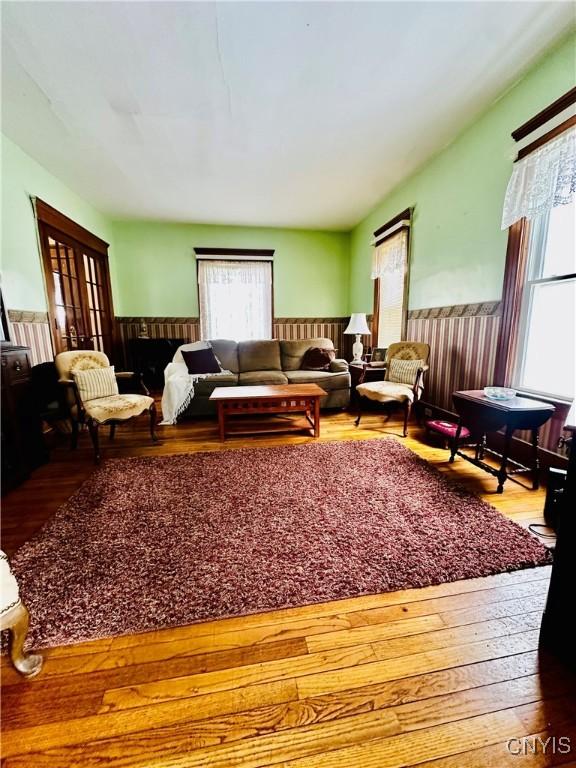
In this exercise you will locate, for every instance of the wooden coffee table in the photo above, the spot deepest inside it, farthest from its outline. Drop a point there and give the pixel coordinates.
(270, 400)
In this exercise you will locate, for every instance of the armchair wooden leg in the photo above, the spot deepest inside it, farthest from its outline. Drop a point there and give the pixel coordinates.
(27, 664)
(112, 431)
(153, 415)
(407, 410)
(74, 435)
(93, 427)
(357, 422)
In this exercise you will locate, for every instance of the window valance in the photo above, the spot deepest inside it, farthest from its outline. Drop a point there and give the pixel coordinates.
(542, 180)
(390, 256)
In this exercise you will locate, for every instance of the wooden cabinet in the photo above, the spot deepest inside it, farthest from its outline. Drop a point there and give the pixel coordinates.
(23, 448)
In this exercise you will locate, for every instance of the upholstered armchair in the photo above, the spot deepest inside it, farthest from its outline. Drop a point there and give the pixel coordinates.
(94, 398)
(406, 363)
(14, 617)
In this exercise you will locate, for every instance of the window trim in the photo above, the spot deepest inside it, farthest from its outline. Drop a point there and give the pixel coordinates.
(387, 230)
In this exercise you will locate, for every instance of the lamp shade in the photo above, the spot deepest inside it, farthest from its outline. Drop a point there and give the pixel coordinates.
(358, 324)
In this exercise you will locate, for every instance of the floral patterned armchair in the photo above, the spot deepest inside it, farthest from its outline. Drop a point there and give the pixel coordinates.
(99, 401)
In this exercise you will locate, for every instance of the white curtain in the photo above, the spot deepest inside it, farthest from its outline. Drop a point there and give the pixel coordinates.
(235, 299)
(542, 180)
(390, 256)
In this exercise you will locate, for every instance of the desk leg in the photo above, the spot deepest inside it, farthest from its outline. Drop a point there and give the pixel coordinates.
(502, 475)
(221, 421)
(316, 417)
(535, 461)
(454, 443)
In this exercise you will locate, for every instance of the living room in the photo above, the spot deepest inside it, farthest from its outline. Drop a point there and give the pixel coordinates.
(288, 383)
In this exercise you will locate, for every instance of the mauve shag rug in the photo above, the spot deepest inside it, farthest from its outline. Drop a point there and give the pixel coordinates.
(147, 543)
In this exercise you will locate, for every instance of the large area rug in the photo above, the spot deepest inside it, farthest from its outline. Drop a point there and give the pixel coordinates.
(158, 542)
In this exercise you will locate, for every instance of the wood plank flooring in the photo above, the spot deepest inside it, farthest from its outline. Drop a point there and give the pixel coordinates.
(440, 677)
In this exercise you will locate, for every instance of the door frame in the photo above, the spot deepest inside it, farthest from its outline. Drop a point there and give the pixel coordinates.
(52, 223)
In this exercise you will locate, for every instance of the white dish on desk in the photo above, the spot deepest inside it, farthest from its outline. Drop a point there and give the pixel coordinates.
(499, 393)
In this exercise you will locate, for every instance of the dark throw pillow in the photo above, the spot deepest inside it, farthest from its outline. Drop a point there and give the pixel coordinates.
(317, 359)
(201, 361)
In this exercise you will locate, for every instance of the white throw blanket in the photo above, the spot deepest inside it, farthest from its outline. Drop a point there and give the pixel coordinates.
(178, 391)
(179, 384)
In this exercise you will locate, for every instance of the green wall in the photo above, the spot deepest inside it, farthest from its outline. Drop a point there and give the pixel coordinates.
(152, 265)
(156, 268)
(22, 177)
(458, 249)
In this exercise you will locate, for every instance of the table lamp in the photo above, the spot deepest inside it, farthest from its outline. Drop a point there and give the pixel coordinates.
(357, 326)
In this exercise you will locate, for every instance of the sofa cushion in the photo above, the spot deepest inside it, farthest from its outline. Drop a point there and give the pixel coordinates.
(259, 355)
(293, 351)
(227, 353)
(204, 387)
(201, 361)
(317, 359)
(324, 379)
(191, 346)
(258, 378)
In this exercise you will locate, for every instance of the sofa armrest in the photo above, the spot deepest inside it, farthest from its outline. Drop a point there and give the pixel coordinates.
(339, 366)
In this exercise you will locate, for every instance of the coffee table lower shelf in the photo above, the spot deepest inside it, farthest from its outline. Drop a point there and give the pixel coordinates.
(268, 424)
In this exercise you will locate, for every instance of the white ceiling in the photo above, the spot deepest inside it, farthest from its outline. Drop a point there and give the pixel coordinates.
(300, 114)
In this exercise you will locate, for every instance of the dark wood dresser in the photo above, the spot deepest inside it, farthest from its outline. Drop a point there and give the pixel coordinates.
(23, 448)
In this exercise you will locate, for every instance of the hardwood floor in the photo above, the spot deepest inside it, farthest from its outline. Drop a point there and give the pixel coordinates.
(441, 676)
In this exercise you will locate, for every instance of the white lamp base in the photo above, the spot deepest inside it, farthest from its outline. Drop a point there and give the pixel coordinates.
(357, 350)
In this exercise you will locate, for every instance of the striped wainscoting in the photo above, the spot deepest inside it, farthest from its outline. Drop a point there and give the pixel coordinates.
(463, 341)
(32, 329)
(290, 328)
(188, 328)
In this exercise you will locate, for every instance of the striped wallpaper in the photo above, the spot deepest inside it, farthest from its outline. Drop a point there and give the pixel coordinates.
(32, 329)
(463, 341)
(188, 328)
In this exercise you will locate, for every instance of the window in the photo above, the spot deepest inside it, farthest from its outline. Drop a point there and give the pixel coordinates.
(77, 281)
(235, 298)
(390, 275)
(546, 358)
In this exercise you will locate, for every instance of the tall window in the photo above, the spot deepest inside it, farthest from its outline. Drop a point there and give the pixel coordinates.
(77, 281)
(546, 359)
(235, 298)
(390, 275)
(537, 339)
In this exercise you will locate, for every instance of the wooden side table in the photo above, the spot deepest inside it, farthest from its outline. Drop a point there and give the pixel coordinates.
(482, 415)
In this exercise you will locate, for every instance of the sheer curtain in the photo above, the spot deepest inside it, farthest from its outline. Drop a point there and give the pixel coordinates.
(235, 299)
(542, 180)
(389, 264)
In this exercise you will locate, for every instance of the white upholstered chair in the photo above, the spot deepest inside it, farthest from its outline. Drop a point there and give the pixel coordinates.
(99, 402)
(406, 362)
(14, 617)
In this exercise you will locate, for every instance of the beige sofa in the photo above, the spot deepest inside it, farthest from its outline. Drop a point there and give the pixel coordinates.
(271, 362)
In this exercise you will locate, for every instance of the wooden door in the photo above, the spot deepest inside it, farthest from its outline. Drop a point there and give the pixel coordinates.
(78, 283)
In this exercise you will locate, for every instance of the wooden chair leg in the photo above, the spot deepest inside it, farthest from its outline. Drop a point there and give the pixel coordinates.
(153, 415)
(27, 664)
(407, 410)
(112, 431)
(359, 411)
(74, 436)
(93, 427)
